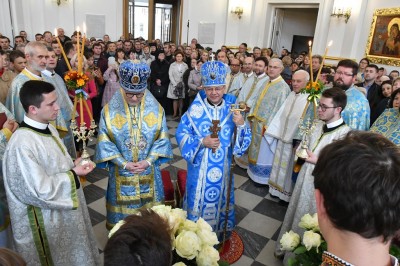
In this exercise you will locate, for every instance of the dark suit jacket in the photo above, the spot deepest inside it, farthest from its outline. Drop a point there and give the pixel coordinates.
(374, 96)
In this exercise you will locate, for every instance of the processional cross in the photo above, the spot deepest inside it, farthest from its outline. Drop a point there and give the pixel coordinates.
(215, 128)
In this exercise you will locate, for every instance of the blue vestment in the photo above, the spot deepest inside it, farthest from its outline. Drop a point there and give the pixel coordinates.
(356, 114)
(132, 134)
(388, 125)
(208, 172)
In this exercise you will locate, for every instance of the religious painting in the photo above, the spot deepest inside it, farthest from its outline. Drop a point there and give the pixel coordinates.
(383, 46)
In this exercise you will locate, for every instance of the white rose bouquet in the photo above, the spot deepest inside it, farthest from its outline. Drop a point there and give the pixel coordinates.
(309, 250)
(192, 242)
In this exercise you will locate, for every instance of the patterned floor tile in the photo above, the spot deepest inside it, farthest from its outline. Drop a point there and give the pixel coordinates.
(266, 256)
(271, 209)
(250, 187)
(253, 243)
(95, 217)
(246, 199)
(93, 193)
(256, 223)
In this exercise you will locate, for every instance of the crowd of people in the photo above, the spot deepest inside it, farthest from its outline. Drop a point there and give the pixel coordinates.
(245, 107)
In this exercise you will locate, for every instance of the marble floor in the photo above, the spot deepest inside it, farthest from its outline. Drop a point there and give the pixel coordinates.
(258, 216)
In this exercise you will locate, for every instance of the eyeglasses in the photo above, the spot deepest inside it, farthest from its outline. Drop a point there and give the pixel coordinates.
(338, 73)
(138, 95)
(216, 89)
(324, 107)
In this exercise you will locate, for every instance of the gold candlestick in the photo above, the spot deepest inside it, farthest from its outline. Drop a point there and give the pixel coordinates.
(305, 131)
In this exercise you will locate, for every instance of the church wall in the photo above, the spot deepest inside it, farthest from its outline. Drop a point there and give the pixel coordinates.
(349, 40)
(36, 16)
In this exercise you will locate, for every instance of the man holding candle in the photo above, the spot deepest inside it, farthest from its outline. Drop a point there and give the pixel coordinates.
(66, 106)
(36, 59)
(132, 143)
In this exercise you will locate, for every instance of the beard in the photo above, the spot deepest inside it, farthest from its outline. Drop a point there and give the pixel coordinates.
(341, 85)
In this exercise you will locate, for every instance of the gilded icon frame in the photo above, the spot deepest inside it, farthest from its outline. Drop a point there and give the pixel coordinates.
(381, 49)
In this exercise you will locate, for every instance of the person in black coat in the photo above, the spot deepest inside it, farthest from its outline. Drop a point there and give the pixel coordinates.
(159, 81)
(374, 91)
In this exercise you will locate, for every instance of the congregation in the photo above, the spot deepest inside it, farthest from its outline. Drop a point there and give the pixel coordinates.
(234, 106)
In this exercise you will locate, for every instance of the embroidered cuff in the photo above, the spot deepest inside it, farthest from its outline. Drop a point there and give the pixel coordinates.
(77, 182)
(7, 133)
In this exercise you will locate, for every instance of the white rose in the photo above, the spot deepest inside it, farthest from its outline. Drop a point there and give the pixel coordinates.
(208, 256)
(116, 227)
(311, 239)
(187, 244)
(289, 241)
(202, 224)
(207, 237)
(179, 264)
(188, 226)
(309, 222)
(176, 218)
(162, 210)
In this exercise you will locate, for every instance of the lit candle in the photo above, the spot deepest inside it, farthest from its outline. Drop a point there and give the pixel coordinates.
(62, 50)
(323, 59)
(310, 54)
(84, 39)
(78, 51)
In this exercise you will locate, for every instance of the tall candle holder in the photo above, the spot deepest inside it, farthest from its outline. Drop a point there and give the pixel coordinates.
(305, 131)
(82, 133)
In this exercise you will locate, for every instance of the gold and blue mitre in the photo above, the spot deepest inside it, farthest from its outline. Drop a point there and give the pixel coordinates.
(213, 73)
(133, 76)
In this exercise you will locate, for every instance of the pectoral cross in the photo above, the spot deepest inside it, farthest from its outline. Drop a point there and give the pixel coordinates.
(214, 131)
(212, 56)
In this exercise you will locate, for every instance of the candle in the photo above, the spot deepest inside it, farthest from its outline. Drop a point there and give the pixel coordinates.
(84, 39)
(74, 110)
(78, 51)
(323, 60)
(62, 50)
(310, 55)
(81, 110)
(88, 110)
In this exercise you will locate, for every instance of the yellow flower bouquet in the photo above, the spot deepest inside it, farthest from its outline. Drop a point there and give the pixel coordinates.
(76, 82)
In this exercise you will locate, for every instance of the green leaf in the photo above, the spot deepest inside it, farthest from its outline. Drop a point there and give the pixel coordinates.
(300, 250)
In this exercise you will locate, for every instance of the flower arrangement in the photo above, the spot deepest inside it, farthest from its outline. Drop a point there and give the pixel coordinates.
(193, 242)
(309, 252)
(75, 81)
(314, 89)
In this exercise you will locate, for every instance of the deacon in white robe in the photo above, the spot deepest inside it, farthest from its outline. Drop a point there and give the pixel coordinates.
(49, 216)
(262, 147)
(331, 127)
(283, 128)
(249, 93)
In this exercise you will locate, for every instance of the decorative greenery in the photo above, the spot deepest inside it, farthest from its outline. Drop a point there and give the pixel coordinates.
(314, 89)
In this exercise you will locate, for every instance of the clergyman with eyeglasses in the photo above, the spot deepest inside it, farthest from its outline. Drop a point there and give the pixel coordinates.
(205, 136)
(328, 128)
(357, 111)
(133, 141)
